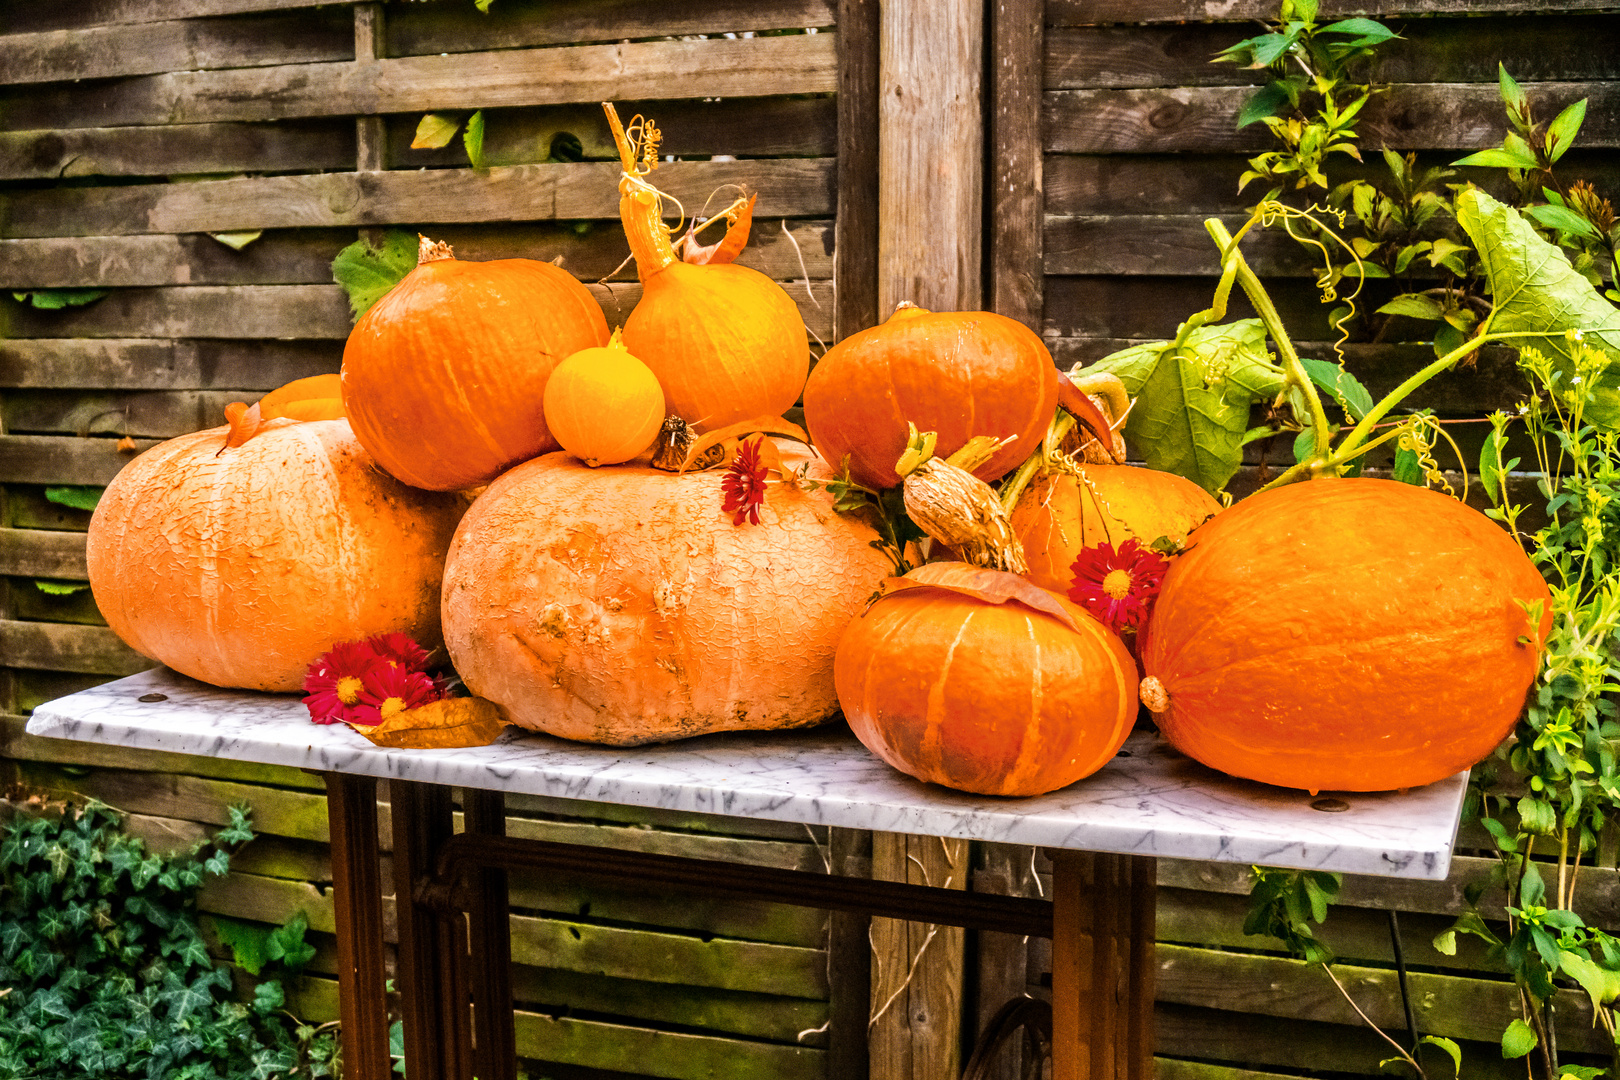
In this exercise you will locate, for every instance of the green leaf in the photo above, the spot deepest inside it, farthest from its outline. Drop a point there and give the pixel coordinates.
(1345, 388)
(59, 588)
(1498, 159)
(1367, 31)
(1452, 1050)
(1445, 943)
(79, 498)
(1535, 289)
(483, 5)
(367, 273)
(473, 139)
(1511, 94)
(236, 241)
(1518, 1040)
(1564, 220)
(1490, 473)
(1562, 131)
(1447, 340)
(1264, 102)
(1408, 469)
(56, 299)
(268, 997)
(249, 943)
(435, 130)
(1414, 306)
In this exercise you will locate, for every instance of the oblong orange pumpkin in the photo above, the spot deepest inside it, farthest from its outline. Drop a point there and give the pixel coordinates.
(444, 379)
(1059, 516)
(955, 373)
(1345, 634)
(622, 606)
(1017, 697)
(239, 566)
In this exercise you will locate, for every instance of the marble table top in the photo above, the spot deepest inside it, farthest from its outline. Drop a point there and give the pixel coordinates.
(1149, 801)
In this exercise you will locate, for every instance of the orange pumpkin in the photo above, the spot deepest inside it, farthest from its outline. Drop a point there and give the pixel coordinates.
(444, 379)
(622, 606)
(955, 373)
(980, 681)
(1059, 516)
(727, 343)
(603, 405)
(240, 565)
(1344, 634)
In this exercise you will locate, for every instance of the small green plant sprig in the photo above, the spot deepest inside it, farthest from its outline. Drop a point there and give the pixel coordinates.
(106, 972)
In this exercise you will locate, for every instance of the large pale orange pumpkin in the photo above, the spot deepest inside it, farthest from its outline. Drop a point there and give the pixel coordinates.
(980, 681)
(956, 373)
(622, 606)
(1059, 516)
(1345, 634)
(240, 565)
(445, 377)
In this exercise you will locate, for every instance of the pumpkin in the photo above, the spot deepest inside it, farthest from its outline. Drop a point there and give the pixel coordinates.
(726, 342)
(240, 565)
(956, 373)
(1060, 515)
(444, 378)
(977, 680)
(603, 405)
(1344, 634)
(622, 606)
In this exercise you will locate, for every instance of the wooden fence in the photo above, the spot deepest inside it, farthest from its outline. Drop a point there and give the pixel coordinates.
(131, 130)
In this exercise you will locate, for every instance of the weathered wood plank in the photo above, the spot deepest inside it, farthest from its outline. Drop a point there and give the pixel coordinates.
(138, 364)
(1016, 178)
(692, 845)
(519, 805)
(1173, 1069)
(211, 311)
(184, 149)
(591, 1044)
(1430, 116)
(32, 689)
(788, 188)
(1152, 307)
(160, 414)
(752, 67)
(1142, 244)
(780, 924)
(30, 603)
(1090, 12)
(857, 150)
(104, 52)
(92, 650)
(37, 553)
(21, 16)
(515, 24)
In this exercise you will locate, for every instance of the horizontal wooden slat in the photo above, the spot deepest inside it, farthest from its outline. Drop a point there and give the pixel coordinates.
(140, 364)
(184, 149)
(1458, 116)
(1152, 307)
(753, 67)
(787, 188)
(103, 52)
(1142, 244)
(1086, 12)
(37, 553)
(419, 29)
(93, 650)
(160, 414)
(783, 924)
(60, 459)
(668, 1054)
(25, 16)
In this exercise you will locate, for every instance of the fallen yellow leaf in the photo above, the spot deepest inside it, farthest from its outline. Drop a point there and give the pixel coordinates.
(452, 722)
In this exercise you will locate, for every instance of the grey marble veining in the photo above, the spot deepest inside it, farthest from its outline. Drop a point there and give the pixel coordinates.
(1149, 801)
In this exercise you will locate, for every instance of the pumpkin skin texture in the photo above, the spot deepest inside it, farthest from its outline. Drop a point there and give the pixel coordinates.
(240, 568)
(622, 606)
(997, 699)
(955, 373)
(1345, 635)
(444, 379)
(1058, 517)
(603, 405)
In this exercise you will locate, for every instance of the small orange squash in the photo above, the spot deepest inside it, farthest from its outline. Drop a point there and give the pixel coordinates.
(240, 565)
(980, 681)
(1345, 634)
(603, 405)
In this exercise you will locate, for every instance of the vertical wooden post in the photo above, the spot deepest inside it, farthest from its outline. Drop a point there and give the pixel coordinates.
(855, 231)
(371, 132)
(351, 809)
(1102, 968)
(1017, 197)
(489, 932)
(849, 963)
(1003, 959)
(917, 973)
(931, 155)
(427, 966)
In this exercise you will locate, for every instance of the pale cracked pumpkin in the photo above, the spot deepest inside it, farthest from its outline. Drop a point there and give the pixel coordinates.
(621, 605)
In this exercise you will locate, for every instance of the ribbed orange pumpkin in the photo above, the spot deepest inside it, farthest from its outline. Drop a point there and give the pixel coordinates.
(1017, 697)
(444, 378)
(726, 342)
(956, 373)
(239, 566)
(1344, 634)
(1058, 516)
(603, 405)
(622, 606)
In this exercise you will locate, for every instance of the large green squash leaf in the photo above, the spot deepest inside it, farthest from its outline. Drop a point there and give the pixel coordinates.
(1536, 289)
(1192, 404)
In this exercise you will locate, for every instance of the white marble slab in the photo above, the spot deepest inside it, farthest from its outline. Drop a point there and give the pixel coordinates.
(1149, 801)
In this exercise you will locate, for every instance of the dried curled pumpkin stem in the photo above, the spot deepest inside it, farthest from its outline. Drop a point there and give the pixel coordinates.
(955, 507)
(641, 204)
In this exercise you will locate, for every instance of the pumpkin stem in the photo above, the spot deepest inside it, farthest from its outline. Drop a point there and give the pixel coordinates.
(641, 204)
(432, 251)
(955, 507)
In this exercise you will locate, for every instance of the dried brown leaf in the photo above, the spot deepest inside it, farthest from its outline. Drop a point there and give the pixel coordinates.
(451, 722)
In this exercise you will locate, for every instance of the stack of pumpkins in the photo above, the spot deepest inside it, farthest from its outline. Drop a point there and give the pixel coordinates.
(597, 597)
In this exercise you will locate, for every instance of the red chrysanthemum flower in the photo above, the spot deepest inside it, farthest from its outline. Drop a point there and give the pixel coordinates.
(336, 678)
(1118, 586)
(390, 690)
(744, 484)
(400, 650)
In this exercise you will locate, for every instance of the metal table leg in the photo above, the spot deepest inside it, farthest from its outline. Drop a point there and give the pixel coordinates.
(351, 806)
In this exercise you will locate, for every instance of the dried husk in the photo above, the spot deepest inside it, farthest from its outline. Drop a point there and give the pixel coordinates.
(958, 509)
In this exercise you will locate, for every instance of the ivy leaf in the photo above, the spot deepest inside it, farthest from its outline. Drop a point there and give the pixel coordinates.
(435, 130)
(367, 273)
(1518, 1040)
(1536, 289)
(473, 139)
(268, 997)
(56, 299)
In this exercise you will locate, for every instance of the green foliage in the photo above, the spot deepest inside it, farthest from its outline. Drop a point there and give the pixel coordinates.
(59, 588)
(56, 299)
(1284, 903)
(367, 273)
(435, 130)
(107, 974)
(79, 498)
(473, 139)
